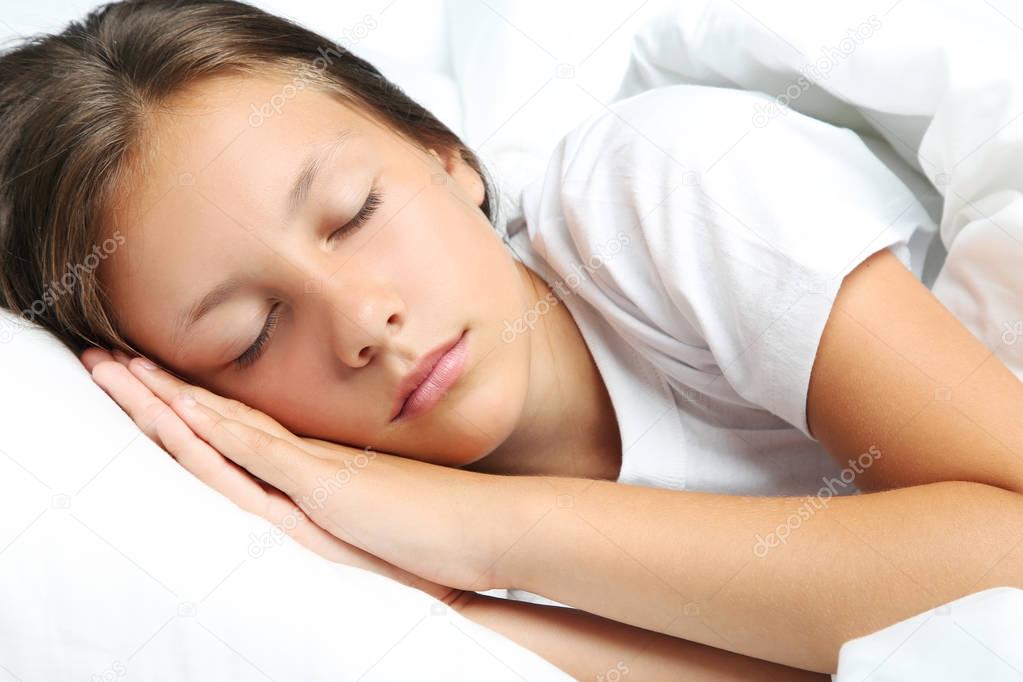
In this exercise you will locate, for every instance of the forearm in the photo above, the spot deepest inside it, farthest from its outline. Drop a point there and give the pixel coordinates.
(688, 564)
(589, 647)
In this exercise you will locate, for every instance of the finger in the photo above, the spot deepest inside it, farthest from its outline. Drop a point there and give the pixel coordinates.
(331, 451)
(132, 396)
(92, 356)
(279, 462)
(120, 356)
(161, 424)
(210, 467)
(199, 458)
(166, 386)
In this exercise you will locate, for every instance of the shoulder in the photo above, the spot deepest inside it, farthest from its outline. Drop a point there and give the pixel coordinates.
(696, 167)
(695, 127)
(683, 124)
(695, 230)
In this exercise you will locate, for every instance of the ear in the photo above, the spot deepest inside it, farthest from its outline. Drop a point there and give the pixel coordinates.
(467, 179)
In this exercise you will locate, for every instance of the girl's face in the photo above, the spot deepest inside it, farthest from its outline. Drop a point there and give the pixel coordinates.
(379, 256)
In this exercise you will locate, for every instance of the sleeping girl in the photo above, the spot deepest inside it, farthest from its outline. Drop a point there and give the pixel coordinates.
(692, 391)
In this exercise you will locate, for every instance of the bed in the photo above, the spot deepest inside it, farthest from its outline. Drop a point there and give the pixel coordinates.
(115, 562)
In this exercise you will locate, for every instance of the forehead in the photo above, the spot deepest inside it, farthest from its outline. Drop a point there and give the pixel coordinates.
(230, 141)
(227, 117)
(215, 177)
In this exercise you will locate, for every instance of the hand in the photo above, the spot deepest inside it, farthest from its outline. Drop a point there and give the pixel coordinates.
(165, 427)
(455, 543)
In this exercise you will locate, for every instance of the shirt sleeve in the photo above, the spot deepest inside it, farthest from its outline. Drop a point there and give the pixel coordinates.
(716, 243)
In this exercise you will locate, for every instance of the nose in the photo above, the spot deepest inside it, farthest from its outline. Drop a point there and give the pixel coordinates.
(364, 316)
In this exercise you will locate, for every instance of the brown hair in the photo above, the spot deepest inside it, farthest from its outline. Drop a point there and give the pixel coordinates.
(73, 112)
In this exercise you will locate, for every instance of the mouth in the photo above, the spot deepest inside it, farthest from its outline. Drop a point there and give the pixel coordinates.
(431, 378)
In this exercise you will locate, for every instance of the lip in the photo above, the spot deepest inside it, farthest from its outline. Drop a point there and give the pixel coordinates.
(430, 379)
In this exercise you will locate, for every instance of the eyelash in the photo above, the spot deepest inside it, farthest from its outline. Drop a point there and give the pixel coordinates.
(253, 352)
(256, 349)
(364, 214)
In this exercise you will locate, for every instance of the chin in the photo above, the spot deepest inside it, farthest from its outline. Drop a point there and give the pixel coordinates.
(474, 451)
(490, 423)
(470, 439)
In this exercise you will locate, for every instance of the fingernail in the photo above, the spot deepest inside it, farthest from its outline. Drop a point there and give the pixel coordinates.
(187, 400)
(146, 364)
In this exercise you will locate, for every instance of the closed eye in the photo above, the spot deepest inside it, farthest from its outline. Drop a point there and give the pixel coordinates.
(365, 213)
(253, 352)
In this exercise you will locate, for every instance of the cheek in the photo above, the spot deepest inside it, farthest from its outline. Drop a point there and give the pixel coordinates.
(312, 410)
(440, 252)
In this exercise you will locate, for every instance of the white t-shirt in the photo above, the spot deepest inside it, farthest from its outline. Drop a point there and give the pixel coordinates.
(700, 253)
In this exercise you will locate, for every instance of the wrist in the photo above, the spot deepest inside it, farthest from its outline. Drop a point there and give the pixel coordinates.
(521, 502)
(459, 600)
(455, 598)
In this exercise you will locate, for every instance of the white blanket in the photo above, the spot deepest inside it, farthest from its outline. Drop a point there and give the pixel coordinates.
(940, 82)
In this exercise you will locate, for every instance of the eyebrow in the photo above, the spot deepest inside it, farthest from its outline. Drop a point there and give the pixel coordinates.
(310, 168)
(211, 300)
(296, 198)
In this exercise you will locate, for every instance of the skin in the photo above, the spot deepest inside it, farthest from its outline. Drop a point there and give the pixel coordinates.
(355, 312)
(894, 371)
(359, 312)
(941, 517)
(228, 445)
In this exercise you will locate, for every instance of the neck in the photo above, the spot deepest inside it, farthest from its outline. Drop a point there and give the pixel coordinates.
(568, 425)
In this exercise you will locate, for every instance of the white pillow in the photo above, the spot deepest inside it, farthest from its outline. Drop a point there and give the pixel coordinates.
(408, 42)
(410, 32)
(116, 561)
(531, 72)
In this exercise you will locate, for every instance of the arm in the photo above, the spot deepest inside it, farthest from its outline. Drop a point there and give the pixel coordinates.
(791, 579)
(589, 647)
(687, 564)
(584, 645)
